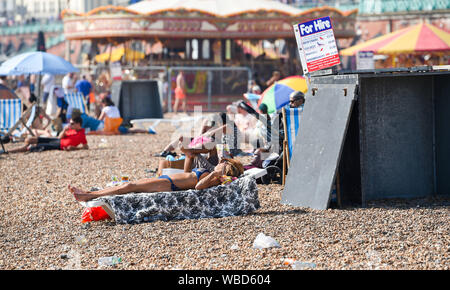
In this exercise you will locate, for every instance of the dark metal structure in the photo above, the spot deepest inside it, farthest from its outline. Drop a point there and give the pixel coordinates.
(137, 99)
(396, 144)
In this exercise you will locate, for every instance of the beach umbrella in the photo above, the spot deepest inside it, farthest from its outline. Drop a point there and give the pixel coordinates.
(36, 62)
(277, 95)
(420, 38)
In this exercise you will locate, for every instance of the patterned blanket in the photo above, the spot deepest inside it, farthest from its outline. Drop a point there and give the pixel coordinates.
(237, 198)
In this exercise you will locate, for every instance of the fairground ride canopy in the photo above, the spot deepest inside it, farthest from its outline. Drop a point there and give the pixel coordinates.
(214, 19)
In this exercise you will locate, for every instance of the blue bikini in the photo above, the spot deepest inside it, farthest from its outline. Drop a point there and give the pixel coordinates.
(198, 171)
(172, 185)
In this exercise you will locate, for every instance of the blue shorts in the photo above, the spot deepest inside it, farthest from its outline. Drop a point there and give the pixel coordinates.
(123, 130)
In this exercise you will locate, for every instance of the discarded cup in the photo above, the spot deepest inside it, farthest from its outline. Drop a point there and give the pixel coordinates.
(262, 242)
(109, 261)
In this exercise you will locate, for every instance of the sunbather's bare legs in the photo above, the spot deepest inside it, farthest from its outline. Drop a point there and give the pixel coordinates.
(28, 141)
(144, 185)
(176, 104)
(181, 180)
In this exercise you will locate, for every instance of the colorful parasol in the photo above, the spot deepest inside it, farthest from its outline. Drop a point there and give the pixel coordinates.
(423, 37)
(118, 53)
(277, 95)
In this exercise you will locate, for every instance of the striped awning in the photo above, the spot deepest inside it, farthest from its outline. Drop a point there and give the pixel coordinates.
(419, 38)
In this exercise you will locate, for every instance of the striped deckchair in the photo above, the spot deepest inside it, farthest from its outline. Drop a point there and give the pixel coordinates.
(11, 117)
(76, 101)
(291, 120)
(291, 123)
(10, 113)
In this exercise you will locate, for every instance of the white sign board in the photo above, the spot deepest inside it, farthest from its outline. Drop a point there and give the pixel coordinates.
(316, 44)
(364, 60)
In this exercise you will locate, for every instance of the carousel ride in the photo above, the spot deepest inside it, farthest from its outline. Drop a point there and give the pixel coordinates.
(198, 33)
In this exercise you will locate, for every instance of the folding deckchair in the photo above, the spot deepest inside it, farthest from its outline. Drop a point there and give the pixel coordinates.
(291, 123)
(10, 113)
(27, 126)
(11, 117)
(76, 101)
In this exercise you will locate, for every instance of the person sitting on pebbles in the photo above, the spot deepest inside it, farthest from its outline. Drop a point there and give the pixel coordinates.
(111, 111)
(70, 138)
(226, 171)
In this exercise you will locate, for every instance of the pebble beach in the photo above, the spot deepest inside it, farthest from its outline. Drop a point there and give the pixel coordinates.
(41, 229)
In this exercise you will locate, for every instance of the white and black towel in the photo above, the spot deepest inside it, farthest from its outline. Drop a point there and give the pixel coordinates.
(237, 198)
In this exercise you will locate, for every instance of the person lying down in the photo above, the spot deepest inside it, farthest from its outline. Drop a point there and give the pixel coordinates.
(198, 179)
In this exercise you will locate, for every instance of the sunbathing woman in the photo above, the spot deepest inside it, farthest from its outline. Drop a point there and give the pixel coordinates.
(197, 179)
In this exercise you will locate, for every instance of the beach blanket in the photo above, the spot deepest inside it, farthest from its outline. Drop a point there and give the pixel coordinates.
(237, 198)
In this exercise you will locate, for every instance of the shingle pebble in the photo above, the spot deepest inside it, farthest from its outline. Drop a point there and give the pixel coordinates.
(40, 222)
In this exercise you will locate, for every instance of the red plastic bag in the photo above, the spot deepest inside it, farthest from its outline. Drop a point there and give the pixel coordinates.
(94, 214)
